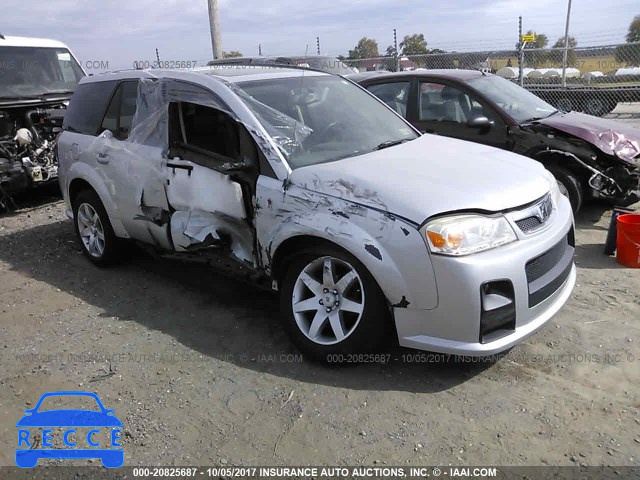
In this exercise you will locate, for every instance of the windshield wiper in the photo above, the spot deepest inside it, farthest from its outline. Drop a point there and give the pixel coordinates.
(391, 143)
(59, 92)
(21, 97)
(535, 119)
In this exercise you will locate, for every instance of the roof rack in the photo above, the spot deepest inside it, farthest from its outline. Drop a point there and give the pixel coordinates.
(270, 64)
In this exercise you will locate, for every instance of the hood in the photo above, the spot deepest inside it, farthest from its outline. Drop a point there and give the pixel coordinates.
(429, 176)
(613, 138)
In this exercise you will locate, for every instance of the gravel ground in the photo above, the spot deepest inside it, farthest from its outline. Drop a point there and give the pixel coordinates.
(200, 372)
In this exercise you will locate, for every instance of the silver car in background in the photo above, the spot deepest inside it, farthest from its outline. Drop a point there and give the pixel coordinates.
(305, 182)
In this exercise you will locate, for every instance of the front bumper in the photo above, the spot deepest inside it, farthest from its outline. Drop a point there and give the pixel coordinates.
(539, 267)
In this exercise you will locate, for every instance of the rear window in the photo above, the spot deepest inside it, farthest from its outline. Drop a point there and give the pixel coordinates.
(87, 107)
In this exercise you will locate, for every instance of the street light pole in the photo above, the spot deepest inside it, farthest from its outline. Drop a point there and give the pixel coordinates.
(566, 46)
(214, 24)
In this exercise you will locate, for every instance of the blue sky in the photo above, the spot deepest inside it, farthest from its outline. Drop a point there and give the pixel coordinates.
(121, 31)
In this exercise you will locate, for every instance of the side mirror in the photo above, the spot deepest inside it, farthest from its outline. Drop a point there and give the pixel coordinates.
(482, 123)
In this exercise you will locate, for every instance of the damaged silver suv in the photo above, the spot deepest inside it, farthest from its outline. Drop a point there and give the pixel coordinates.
(307, 183)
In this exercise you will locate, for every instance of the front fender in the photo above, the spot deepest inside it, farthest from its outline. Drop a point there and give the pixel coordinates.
(391, 249)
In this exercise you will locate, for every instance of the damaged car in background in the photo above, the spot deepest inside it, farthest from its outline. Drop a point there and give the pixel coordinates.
(305, 183)
(37, 78)
(590, 157)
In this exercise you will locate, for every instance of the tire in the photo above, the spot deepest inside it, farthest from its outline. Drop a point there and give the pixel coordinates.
(306, 283)
(100, 244)
(596, 107)
(565, 104)
(570, 186)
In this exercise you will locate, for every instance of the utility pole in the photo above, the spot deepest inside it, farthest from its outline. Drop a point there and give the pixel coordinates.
(214, 23)
(521, 53)
(566, 46)
(318, 44)
(395, 46)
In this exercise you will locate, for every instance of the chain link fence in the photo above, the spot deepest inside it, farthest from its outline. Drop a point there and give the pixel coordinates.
(593, 80)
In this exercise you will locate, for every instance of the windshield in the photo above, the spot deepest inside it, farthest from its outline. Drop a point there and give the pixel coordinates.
(36, 71)
(520, 104)
(321, 118)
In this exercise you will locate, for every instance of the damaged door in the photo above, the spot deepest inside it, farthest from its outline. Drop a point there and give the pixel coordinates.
(209, 181)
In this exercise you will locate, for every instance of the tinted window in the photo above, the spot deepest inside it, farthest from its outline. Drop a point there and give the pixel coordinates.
(121, 110)
(446, 103)
(395, 94)
(87, 107)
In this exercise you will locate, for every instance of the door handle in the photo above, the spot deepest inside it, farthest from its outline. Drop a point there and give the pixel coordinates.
(103, 158)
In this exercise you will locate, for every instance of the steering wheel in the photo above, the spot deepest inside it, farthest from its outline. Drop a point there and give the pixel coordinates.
(321, 136)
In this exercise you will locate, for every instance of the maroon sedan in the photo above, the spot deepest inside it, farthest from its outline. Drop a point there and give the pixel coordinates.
(590, 157)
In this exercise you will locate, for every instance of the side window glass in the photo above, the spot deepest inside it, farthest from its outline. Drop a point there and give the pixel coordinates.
(110, 120)
(120, 111)
(128, 100)
(444, 103)
(395, 94)
(87, 107)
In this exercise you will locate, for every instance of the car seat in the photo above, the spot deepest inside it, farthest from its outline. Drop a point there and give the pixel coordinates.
(452, 98)
(391, 98)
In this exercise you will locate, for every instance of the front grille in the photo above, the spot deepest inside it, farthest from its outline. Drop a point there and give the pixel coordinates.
(537, 267)
(547, 272)
(528, 224)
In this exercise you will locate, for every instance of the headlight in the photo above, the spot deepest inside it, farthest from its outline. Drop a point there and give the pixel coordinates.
(465, 234)
(556, 194)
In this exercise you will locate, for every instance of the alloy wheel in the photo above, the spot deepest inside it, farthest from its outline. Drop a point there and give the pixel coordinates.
(328, 300)
(91, 230)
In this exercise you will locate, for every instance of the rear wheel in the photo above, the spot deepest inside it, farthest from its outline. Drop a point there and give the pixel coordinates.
(596, 107)
(92, 225)
(332, 305)
(569, 185)
(565, 104)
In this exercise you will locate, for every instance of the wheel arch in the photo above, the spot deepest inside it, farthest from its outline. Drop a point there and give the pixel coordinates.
(83, 179)
(377, 259)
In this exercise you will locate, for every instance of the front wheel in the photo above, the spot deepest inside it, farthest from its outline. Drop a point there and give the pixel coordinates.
(332, 305)
(569, 185)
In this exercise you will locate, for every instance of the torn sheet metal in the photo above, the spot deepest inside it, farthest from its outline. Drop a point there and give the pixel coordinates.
(196, 229)
(613, 138)
(204, 189)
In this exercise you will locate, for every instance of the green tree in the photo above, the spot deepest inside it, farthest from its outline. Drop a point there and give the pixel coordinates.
(231, 54)
(366, 48)
(630, 54)
(414, 44)
(572, 58)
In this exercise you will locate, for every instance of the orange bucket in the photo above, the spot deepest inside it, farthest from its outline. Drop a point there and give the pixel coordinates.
(629, 240)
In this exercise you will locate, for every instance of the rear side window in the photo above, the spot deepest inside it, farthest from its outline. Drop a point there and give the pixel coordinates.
(119, 115)
(87, 107)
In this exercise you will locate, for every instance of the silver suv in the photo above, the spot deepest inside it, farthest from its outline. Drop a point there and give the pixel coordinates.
(312, 186)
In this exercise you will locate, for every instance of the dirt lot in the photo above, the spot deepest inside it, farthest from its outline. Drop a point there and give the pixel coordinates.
(200, 372)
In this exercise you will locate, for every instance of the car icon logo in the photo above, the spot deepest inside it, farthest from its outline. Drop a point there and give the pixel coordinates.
(71, 421)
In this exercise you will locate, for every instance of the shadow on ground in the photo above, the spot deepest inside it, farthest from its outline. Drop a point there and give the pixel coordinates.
(24, 201)
(217, 316)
